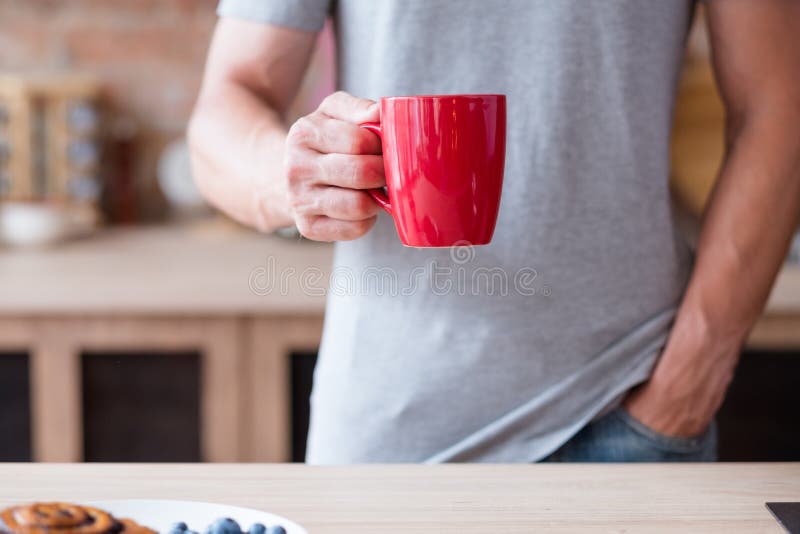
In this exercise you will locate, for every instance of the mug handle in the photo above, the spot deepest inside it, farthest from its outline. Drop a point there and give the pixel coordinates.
(378, 194)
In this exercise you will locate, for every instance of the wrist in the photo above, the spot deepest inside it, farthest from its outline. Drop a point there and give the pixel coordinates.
(702, 325)
(270, 205)
(696, 358)
(270, 209)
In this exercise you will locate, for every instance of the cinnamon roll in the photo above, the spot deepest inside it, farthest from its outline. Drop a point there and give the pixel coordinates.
(65, 518)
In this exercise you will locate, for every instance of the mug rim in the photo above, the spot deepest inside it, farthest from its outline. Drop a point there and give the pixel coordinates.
(441, 97)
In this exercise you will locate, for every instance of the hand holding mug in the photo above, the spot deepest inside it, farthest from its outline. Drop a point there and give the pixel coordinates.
(330, 164)
(443, 158)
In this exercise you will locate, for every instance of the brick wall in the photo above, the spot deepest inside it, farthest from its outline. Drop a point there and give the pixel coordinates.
(149, 54)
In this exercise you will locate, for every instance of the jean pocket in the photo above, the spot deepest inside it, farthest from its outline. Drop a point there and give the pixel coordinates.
(676, 444)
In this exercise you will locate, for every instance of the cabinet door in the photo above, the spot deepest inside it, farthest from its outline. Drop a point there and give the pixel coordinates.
(15, 407)
(302, 379)
(759, 419)
(141, 406)
(280, 362)
(65, 351)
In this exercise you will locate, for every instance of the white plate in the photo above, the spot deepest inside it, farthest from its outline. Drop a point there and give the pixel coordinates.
(160, 515)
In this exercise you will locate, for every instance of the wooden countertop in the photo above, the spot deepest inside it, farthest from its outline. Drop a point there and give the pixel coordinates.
(207, 268)
(449, 498)
(196, 270)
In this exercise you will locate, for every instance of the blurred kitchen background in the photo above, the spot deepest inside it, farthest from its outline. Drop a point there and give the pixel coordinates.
(138, 325)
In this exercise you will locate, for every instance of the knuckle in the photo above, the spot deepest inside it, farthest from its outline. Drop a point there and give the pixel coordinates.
(333, 98)
(302, 168)
(328, 103)
(295, 201)
(303, 201)
(302, 132)
(295, 169)
(295, 131)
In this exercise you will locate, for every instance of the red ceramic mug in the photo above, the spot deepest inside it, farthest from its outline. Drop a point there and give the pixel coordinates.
(444, 158)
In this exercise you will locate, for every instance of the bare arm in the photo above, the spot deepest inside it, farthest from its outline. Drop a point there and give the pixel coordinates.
(751, 216)
(249, 164)
(237, 133)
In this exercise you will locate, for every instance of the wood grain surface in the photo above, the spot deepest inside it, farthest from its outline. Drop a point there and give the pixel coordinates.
(444, 499)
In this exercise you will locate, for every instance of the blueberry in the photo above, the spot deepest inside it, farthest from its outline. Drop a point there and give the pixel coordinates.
(257, 528)
(276, 529)
(225, 525)
(179, 526)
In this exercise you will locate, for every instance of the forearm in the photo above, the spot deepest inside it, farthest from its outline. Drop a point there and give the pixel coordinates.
(752, 213)
(237, 144)
(751, 217)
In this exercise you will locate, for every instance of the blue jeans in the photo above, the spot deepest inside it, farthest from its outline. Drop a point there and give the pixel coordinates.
(618, 437)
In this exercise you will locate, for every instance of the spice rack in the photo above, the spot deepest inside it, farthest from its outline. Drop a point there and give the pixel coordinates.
(50, 139)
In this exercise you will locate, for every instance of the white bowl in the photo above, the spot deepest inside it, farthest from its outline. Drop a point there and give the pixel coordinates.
(162, 514)
(37, 224)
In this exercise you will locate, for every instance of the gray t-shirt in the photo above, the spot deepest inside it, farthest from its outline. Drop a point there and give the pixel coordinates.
(501, 353)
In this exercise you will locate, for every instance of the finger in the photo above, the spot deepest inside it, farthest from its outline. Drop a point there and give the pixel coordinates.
(346, 204)
(322, 228)
(332, 136)
(346, 107)
(353, 172)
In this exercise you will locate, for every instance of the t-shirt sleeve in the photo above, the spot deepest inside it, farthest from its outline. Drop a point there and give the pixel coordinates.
(308, 15)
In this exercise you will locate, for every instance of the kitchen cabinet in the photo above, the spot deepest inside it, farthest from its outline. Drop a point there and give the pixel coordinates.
(207, 289)
(14, 406)
(163, 290)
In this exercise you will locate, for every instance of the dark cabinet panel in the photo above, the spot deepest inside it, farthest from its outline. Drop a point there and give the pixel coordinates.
(302, 377)
(760, 418)
(141, 407)
(15, 408)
